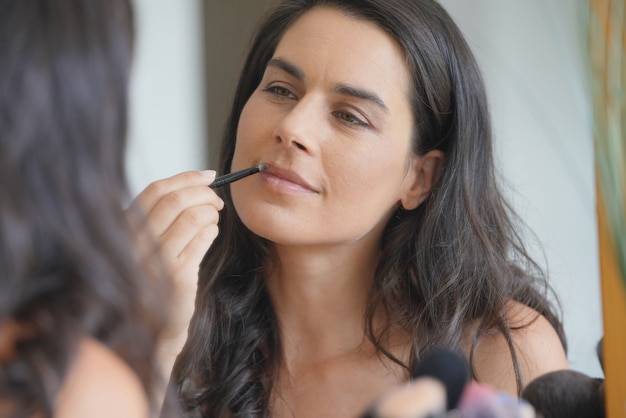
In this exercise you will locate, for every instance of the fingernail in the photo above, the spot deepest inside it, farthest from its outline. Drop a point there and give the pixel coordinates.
(210, 174)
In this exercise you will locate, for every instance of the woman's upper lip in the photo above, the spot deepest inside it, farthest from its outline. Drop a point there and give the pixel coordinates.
(289, 175)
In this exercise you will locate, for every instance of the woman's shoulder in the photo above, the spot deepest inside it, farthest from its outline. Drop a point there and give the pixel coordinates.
(100, 384)
(537, 346)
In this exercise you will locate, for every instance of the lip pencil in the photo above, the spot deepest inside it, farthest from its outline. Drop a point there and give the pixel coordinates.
(230, 177)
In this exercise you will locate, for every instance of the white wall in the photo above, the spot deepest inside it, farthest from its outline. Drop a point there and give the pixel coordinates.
(532, 56)
(167, 131)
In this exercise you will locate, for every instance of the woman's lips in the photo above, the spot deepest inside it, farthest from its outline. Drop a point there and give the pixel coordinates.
(286, 180)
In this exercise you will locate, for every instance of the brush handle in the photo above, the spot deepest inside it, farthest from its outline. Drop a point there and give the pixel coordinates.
(230, 177)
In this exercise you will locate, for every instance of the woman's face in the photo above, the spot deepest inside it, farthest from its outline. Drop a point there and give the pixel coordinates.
(332, 119)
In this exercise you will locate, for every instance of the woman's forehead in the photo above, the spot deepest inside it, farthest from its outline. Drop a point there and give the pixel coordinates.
(345, 48)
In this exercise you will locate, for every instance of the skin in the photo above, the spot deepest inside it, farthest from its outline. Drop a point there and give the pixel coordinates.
(339, 165)
(116, 392)
(538, 347)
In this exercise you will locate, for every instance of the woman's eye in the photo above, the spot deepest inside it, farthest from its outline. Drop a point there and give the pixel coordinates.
(280, 91)
(349, 118)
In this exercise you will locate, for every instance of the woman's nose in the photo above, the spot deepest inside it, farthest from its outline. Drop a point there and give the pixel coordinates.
(300, 127)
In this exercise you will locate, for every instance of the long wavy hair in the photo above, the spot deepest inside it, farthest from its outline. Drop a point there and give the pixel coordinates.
(454, 261)
(69, 267)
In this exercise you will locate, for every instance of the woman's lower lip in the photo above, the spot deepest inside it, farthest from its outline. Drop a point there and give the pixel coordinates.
(282, 185)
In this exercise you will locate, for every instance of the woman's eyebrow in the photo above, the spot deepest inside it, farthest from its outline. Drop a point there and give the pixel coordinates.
(287, 67)
(341, 88)
(360, 94)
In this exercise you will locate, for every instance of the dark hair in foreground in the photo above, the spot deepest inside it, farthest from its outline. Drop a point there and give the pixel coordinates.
(68, 264)
(454, 260)
(566, 394)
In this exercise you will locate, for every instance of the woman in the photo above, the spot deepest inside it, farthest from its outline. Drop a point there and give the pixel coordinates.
(79, 314)
(377, 232)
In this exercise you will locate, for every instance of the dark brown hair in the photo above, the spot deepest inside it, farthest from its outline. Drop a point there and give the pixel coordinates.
(455, 260)
(68, 264)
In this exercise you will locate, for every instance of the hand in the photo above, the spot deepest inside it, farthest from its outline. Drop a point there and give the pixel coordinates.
(181, 215)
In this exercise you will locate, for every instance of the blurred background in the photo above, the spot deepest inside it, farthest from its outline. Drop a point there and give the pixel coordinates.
(534, 60)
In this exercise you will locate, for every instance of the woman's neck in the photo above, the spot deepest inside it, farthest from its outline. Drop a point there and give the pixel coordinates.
(320, 296)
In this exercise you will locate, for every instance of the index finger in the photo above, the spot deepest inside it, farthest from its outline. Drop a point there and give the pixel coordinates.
(151, 195)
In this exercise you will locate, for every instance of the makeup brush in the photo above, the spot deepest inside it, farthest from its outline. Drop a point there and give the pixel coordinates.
(230, 177)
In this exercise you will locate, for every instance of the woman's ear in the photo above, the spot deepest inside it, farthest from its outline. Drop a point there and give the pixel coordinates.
(424, 173)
